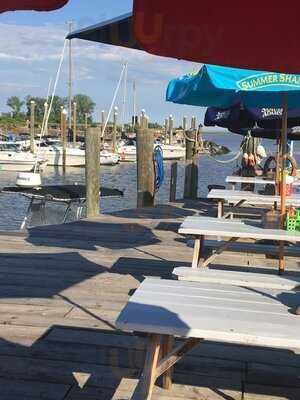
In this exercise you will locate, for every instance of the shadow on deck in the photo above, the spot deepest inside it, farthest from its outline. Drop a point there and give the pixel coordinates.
(61, 291)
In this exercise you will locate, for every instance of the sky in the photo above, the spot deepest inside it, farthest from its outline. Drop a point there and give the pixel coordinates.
(31, 44)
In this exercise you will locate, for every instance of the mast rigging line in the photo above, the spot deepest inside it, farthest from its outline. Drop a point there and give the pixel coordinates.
(114, 99)
(52, 96)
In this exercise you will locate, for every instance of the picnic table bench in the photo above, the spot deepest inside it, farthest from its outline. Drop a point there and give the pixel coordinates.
(240, 197)
(245, 279)
(201, 227)
(257, 180)
(194, 312)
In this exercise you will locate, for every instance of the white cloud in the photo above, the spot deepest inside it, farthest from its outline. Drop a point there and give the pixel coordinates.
(30, 55)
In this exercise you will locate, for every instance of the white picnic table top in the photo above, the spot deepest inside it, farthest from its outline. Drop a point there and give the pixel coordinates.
(258, 180)
(235, 196)
(209, 226)
(245, 279)
(214, 312)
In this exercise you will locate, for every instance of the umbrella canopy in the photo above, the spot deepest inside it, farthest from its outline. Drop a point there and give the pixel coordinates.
(225, 87)
(117, 32)
(239, 117)
(37, 5)
(266, 133)
(252, 34)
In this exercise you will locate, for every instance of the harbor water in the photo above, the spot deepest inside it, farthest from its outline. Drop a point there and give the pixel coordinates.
(13, 207)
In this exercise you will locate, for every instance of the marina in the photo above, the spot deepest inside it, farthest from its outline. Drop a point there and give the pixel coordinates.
(149, 202)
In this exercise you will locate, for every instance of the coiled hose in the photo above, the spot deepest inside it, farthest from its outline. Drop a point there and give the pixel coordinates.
(158, 167)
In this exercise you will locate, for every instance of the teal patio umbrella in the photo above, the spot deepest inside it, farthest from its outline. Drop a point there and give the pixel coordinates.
(224, 87)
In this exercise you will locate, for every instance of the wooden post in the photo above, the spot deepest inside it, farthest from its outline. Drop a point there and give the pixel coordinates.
(64, 137)
(32, 123)
(102, 127)
(171, 127)
(191, 169)
(61, 123)
(173, 181)
(166, 128)
(283, 178)
(193, 123)
(74, 123)
(184, 124)
(145, 167)
(92, 172)
(46, 107)
(115, 122)
(86, 123)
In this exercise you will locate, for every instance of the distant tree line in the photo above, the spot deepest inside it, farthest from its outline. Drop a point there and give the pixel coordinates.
(20, 109)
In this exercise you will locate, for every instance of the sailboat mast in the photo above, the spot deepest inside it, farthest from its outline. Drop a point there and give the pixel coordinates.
(124, 96)
(70, 84)
(134, 104)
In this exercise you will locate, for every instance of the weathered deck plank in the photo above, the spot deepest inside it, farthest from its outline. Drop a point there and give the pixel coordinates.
(62, 287)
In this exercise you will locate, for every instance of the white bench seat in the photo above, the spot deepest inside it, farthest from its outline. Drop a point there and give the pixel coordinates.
(245, 279)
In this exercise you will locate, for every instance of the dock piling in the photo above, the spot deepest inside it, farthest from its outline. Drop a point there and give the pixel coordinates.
(74, 123)
(115, 122)
(145, 165)
(32, 123)
(173, 181)
(191, 169)
(92, 172)
(64, 137)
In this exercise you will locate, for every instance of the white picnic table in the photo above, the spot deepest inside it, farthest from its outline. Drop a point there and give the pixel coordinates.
(166, 309)
(257, 180)
(201, 227)
(240, 197)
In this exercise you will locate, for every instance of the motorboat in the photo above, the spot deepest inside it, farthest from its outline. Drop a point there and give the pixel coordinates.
(13, 158)
(75, 156)
(127, 151)
(109, 158)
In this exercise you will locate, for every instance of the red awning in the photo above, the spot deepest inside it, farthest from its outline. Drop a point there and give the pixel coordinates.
(37, 5)
(259, 35)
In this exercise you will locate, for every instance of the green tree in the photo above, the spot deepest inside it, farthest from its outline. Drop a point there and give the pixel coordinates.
(15, 104)
(39, 107)
(85, 105)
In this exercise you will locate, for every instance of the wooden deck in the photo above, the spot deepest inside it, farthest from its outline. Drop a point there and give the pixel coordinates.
(63, 287)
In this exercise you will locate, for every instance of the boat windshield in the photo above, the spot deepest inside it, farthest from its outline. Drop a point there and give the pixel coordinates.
(10, 147)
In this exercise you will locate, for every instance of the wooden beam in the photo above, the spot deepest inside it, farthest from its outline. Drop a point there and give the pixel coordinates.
(146, 383)
(167, 345)
(172, 358)
(92, 172)
(219, 251)
(145, 168)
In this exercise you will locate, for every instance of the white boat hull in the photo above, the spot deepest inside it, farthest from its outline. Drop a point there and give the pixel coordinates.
(17, 164)
(74, 157)
(128, 153)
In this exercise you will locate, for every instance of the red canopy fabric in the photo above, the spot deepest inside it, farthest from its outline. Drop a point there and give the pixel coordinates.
(260, 35)
(37, 5)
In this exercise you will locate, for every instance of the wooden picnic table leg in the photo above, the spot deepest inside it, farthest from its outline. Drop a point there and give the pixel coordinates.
(147, 380)
(220, 208)
(281, 258)
(167, 346)
(198, 249)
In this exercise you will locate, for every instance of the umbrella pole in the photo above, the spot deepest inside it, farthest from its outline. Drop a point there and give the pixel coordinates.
(283, 178)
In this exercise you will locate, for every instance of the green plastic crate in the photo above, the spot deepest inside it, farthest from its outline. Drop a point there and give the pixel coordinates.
(291, 224)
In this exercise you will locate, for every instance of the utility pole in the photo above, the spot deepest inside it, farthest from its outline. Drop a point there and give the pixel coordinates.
(70, 84)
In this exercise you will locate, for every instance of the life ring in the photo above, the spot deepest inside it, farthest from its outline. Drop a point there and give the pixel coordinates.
(289, 158)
